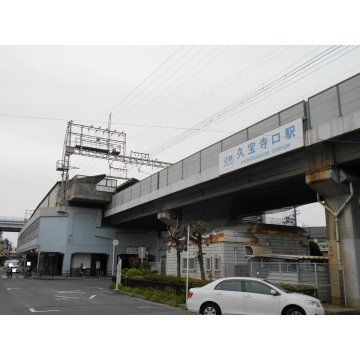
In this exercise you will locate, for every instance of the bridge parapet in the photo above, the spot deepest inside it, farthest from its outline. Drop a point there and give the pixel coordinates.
(90, 189)
(11, 224)
(326, 115)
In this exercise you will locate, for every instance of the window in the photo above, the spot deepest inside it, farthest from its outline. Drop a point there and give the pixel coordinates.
(212, 264)
(229, 285)
(216, 264)
(191, 263)
(257, 288)
(208, 264)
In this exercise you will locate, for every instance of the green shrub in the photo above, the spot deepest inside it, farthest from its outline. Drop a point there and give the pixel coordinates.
(155, 295)
(137, 291)
(133, 272)
(175, 279)
(315, 249)
(299, 288)
(144, 265)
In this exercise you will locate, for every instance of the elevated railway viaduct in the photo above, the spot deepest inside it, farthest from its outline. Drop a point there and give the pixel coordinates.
(215, 186)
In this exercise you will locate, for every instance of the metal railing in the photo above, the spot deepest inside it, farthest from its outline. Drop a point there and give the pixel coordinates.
(72, 273)
(305, 273)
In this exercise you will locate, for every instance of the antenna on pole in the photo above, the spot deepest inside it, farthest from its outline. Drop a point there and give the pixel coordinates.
(109, 124)
(109, 129)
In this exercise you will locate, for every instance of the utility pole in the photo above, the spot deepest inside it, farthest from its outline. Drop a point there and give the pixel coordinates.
(109, 127)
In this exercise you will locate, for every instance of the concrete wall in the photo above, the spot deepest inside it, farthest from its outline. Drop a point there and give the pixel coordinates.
(52, 233)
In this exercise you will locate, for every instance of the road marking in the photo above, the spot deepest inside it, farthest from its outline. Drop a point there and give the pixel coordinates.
(71, 291)
(39, 311)
(13, 289)
(92, 296)
(61, 297)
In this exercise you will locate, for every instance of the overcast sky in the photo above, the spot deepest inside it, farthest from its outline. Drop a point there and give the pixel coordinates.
(155, 93)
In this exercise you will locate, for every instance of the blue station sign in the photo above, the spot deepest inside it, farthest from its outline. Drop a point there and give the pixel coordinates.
(276, 142)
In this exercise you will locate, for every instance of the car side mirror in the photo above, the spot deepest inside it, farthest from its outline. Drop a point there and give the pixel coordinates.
(274, 292)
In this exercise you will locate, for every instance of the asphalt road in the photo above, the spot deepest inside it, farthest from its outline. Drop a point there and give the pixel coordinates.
(73, 296)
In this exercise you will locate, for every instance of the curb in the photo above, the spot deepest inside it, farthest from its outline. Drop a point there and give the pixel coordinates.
(334, 310)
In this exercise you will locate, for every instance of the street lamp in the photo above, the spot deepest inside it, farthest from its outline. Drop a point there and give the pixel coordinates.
(115, 243)
(187, 262)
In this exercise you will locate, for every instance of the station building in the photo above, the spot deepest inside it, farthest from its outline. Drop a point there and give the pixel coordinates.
(57, 239)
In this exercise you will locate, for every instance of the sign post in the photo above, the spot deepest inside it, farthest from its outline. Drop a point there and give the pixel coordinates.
(115, 243)
(187, 262)
(118, 274)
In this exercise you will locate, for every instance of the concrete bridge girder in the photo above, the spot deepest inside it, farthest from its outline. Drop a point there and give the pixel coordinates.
(218, 213)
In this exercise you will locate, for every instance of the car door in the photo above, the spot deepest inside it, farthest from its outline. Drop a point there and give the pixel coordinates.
(258, 299)
(228, 295)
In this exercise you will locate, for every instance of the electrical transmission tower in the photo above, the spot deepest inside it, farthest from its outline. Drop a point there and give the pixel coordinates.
(99, 143)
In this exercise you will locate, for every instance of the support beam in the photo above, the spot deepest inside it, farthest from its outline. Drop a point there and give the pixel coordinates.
(339, 194)
(169, 218)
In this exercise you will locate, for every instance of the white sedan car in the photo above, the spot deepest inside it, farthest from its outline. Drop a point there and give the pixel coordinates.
(251, 296)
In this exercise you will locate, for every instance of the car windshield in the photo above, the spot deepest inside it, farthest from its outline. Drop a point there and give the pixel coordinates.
(276, 286)
(13, 262)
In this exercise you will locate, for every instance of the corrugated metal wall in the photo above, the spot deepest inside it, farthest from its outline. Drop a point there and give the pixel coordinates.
(340, 100)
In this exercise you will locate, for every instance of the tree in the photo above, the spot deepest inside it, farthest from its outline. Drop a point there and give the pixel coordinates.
(314, 249)
(5, 246)
(175, 240)
(199, 230)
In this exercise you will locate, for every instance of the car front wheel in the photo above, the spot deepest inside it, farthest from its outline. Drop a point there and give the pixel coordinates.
(294, 310)
(210, 309)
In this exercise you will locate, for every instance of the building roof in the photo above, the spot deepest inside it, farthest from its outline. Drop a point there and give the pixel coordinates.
(291, 257)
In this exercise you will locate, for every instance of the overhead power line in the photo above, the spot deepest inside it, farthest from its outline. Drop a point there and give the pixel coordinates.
(153, 80)
(175, 85)
(249, 99)
(146, 79)
(104, 122)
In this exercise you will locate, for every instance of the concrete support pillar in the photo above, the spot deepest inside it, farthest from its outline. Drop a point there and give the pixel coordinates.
(67, 262)
(339, 194)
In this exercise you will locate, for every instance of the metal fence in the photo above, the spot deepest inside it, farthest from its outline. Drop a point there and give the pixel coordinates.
(306, 273)
(73, 272)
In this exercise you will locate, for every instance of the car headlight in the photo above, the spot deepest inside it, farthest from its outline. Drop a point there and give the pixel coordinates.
(313, 303)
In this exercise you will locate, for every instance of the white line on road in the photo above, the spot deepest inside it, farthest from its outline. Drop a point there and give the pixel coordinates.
(71, 291)
(92, 296)
(13, 289)
(38, 311)
(61, 297)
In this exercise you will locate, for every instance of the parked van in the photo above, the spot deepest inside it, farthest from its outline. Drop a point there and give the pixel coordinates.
(14, 264)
